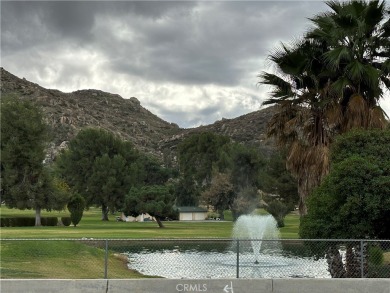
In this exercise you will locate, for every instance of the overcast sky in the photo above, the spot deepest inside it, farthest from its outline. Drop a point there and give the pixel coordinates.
(190, 63)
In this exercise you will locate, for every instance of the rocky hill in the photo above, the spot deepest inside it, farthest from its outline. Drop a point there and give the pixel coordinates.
(67, 113)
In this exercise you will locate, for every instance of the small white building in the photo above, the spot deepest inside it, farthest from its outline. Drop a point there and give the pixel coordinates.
(192, 213)
(139, 218)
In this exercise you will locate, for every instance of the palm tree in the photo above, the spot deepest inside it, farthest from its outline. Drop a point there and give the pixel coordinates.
(357, 34)
(328, 83)
(301, 121)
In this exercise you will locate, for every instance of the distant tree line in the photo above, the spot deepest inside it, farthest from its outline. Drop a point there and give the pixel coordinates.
(228, 176)
(110, 173)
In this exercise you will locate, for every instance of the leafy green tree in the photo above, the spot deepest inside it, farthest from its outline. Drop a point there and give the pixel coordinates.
(220, 194)
(353, 200)
(278, 210)
(330, 82)
(198, 153)
(156, 200)
(76, 207)
(187, 193)
(100, 167)
(356, 193)
(275, 179)
(109, 179)
(150, 171)
(246, 166)
(26, 182)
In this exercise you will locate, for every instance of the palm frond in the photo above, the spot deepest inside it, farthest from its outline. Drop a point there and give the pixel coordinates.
(374, 13)
(345, 22)
(281, 124)
(338, 87)
(272, 101)
(334, 57)
(282, 89)
(357, 7)
(336, 6)
(372, 76)
(355, 71)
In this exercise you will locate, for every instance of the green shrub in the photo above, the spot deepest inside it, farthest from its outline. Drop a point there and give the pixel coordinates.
(66, 221)
(213, 215)
(375, 255)
(76, 207)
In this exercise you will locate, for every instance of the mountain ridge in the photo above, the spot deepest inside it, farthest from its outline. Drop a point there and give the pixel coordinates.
(67, 113)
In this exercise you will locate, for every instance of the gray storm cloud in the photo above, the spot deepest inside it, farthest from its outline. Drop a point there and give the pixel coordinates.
(188, 62)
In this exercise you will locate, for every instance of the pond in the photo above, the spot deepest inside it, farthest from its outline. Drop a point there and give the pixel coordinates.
(221, 260)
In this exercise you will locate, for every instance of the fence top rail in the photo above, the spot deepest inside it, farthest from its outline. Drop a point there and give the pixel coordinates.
(192, 239)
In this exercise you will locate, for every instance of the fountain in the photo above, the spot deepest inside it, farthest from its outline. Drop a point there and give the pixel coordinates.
(253, 230)
(255, 252)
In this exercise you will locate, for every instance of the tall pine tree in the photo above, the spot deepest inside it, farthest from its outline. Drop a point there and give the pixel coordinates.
(26, 182)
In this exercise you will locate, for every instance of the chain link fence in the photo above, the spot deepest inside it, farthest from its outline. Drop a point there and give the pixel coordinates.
(193, 258)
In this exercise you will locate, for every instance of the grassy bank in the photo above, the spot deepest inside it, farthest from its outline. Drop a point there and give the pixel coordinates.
(59, 260)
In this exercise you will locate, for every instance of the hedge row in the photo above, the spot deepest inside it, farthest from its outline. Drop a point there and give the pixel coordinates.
(27, 221)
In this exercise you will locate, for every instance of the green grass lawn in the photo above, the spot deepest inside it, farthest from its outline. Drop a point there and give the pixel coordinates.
(60, 260)
(91, 226)
(75, 259)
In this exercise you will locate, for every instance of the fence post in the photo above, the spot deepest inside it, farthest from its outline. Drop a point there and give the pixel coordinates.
(238, 259)
(361, 259)
(106, 260)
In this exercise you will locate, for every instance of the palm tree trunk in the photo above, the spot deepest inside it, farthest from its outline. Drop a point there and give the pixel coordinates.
(302, 197)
